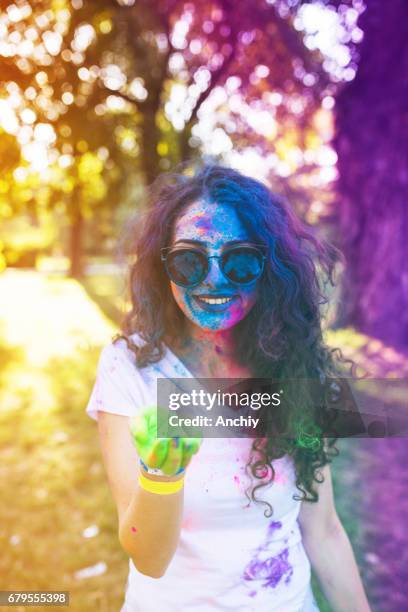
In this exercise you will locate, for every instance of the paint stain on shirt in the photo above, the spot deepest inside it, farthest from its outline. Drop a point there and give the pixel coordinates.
(273, 569)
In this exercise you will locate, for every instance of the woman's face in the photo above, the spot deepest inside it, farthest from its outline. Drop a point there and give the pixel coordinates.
(211, 227)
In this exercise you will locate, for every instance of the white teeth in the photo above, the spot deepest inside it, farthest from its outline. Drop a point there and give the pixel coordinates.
(215, 300)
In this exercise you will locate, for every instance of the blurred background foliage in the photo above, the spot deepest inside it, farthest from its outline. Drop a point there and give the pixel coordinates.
(98, 98)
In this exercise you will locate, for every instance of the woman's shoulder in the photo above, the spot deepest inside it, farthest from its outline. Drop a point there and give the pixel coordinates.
(122, 349)
(120, 387)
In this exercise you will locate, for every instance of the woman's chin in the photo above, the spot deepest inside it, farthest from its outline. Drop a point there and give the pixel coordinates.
(215, 326)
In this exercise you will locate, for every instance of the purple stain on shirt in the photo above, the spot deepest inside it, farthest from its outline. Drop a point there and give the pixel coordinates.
(218, 349)
(272, 569)
(273, 526)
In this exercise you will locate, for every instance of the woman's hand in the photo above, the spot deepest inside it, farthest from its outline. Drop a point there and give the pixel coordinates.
(167, 454)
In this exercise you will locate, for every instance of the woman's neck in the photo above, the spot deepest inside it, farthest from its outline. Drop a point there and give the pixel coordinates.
(210, 354)
(220, 342)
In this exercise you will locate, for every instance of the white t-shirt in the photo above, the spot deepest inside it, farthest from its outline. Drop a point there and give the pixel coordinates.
(230, 556)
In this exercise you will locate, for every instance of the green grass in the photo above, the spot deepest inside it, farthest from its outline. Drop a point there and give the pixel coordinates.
(52, 487)
(347, 495)
(52, 482)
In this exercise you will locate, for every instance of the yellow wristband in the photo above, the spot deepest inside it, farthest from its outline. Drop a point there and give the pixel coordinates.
(160, 487)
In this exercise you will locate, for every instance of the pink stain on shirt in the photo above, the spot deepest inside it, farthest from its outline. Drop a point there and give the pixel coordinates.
(188, 522)
(280, 478)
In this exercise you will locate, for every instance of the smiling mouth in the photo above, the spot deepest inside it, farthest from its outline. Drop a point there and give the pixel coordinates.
(213, 300)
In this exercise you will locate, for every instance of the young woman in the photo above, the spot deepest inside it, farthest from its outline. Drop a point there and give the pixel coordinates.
(224, 285)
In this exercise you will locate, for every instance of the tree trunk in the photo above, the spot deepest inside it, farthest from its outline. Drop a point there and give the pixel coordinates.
(77, 221)
(372, 146)
(150, 135)
(186, 151)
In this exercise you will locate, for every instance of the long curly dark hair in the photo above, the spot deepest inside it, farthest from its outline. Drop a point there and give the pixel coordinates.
(281, 337)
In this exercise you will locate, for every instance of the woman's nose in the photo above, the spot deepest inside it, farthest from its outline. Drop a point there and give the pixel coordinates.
(215, 277)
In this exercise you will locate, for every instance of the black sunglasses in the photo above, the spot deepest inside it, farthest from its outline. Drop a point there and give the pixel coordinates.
(189, 266)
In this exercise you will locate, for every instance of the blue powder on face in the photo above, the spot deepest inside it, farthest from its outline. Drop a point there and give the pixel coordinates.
(205, 224)
(212, 227)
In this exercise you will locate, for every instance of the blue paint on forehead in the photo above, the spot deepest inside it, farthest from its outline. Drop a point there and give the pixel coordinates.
(212, 223)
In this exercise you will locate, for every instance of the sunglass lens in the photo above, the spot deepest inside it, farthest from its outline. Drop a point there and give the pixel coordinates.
(186, 268)
(242, 265)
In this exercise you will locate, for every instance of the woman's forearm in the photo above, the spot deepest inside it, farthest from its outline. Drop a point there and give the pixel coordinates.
(333, 562)
(150, 528)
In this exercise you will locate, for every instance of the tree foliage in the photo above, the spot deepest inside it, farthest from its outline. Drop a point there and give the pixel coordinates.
(371, 143)
(138, 86)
